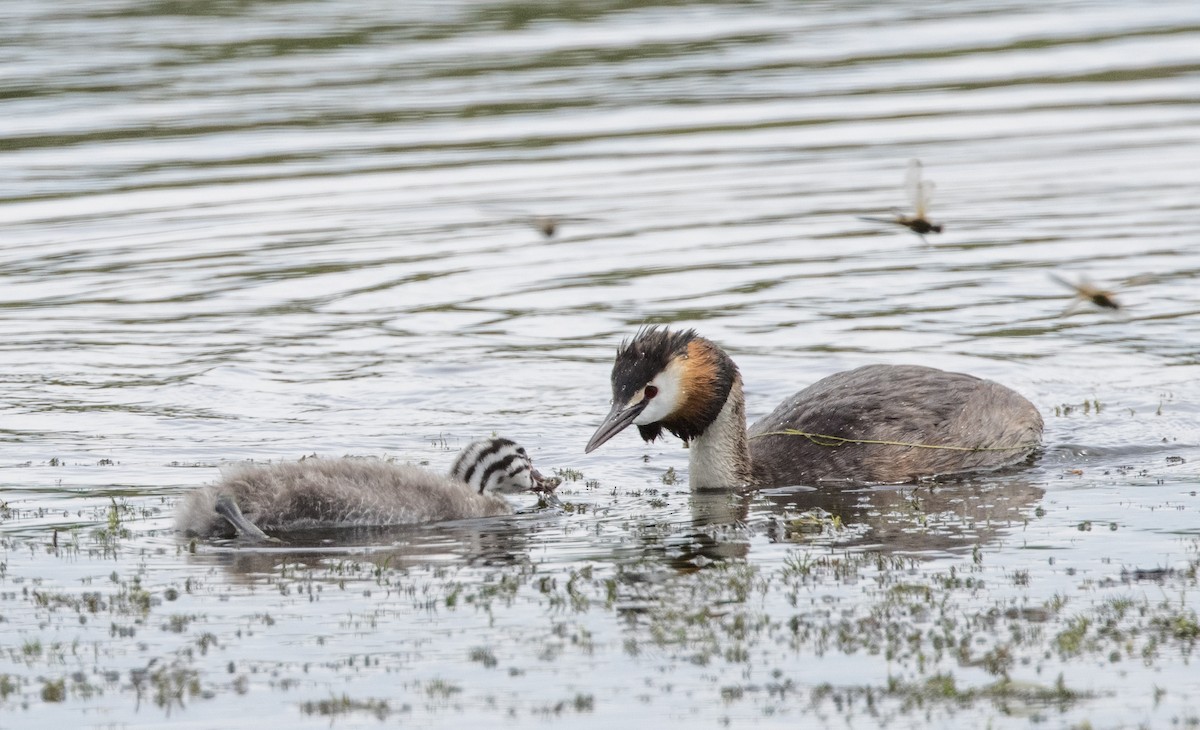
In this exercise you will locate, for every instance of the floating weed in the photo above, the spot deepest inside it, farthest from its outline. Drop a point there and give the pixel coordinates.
(484, 656)
(177, 623)
(31, 649)
(797, 565)
(943, 688)
(344, 705)
(1073, 640)
(580, 703)
(8, 685)
(441, 689)
(956, 633)
(568, 475)
(812, 523)
(1087, 407)
(1177, 624)
(115, 529)
(170, 686)
(583, 703)
(131, 598)
(54, 690)
(206, 640)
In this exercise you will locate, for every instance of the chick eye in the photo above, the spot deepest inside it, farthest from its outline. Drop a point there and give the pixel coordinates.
(650, 392)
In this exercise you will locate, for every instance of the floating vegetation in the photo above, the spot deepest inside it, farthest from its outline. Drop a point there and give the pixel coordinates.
(441, 688)
(502, 621)
(484, 656)
(803, 526)
(344, 705)
(568, 475)
(54, 690)
(1087, 408)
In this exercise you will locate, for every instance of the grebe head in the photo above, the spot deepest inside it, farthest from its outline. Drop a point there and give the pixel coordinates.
(497, 465)
(664, 379)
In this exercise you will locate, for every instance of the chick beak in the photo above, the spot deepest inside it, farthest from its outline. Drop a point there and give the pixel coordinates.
(617, 420)
(544, 486)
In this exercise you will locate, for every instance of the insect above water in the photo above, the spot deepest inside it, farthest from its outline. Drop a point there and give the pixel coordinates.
(1086, 291)
(920, 192)
(547, 225)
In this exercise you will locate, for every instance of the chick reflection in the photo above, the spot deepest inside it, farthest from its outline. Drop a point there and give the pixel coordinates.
(496, 541)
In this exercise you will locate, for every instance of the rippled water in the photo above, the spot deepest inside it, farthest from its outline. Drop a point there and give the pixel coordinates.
(267, 229)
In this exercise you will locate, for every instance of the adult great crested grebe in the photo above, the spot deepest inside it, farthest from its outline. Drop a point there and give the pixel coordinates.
(877, 423)
(356, 492)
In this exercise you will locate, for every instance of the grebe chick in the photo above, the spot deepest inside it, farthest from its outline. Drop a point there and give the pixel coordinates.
(356, 492)
(878, 423)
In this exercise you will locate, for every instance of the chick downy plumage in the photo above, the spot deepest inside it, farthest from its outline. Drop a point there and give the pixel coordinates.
(357, 492)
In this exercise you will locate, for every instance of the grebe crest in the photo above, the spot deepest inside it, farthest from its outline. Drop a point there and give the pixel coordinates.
(662, 379)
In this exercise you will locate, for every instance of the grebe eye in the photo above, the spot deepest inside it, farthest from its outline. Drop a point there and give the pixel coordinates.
(650, 392)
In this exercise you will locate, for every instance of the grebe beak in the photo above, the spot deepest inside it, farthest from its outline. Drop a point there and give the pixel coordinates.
(617, 420)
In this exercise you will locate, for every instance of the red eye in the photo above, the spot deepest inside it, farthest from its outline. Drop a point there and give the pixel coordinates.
(650, 392)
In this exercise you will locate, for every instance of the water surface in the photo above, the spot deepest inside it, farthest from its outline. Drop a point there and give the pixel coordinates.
(260, 230)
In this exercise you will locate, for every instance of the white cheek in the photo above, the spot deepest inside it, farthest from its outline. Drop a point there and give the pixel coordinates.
(670, 394)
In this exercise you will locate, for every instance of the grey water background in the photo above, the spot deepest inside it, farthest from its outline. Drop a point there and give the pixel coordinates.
(259, 230)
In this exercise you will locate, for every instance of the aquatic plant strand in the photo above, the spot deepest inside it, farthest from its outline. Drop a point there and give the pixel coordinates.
(823, 439)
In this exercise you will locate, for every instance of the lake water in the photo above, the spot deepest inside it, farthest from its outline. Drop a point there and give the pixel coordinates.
(260, 230)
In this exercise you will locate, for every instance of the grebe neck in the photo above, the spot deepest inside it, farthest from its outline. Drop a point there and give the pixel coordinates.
(719, 457)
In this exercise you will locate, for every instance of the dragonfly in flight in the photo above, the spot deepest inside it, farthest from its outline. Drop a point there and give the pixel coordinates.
(920, 192)
(1086, 291)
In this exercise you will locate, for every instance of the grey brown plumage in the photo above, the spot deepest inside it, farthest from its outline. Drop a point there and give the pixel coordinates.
(898, 403)
(936, 423)
(358, 492)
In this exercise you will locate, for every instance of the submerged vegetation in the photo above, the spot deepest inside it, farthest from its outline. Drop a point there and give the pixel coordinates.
(820, 623)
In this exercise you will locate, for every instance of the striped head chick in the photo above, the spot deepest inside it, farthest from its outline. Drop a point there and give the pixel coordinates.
(664, 379)
(496, 465)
